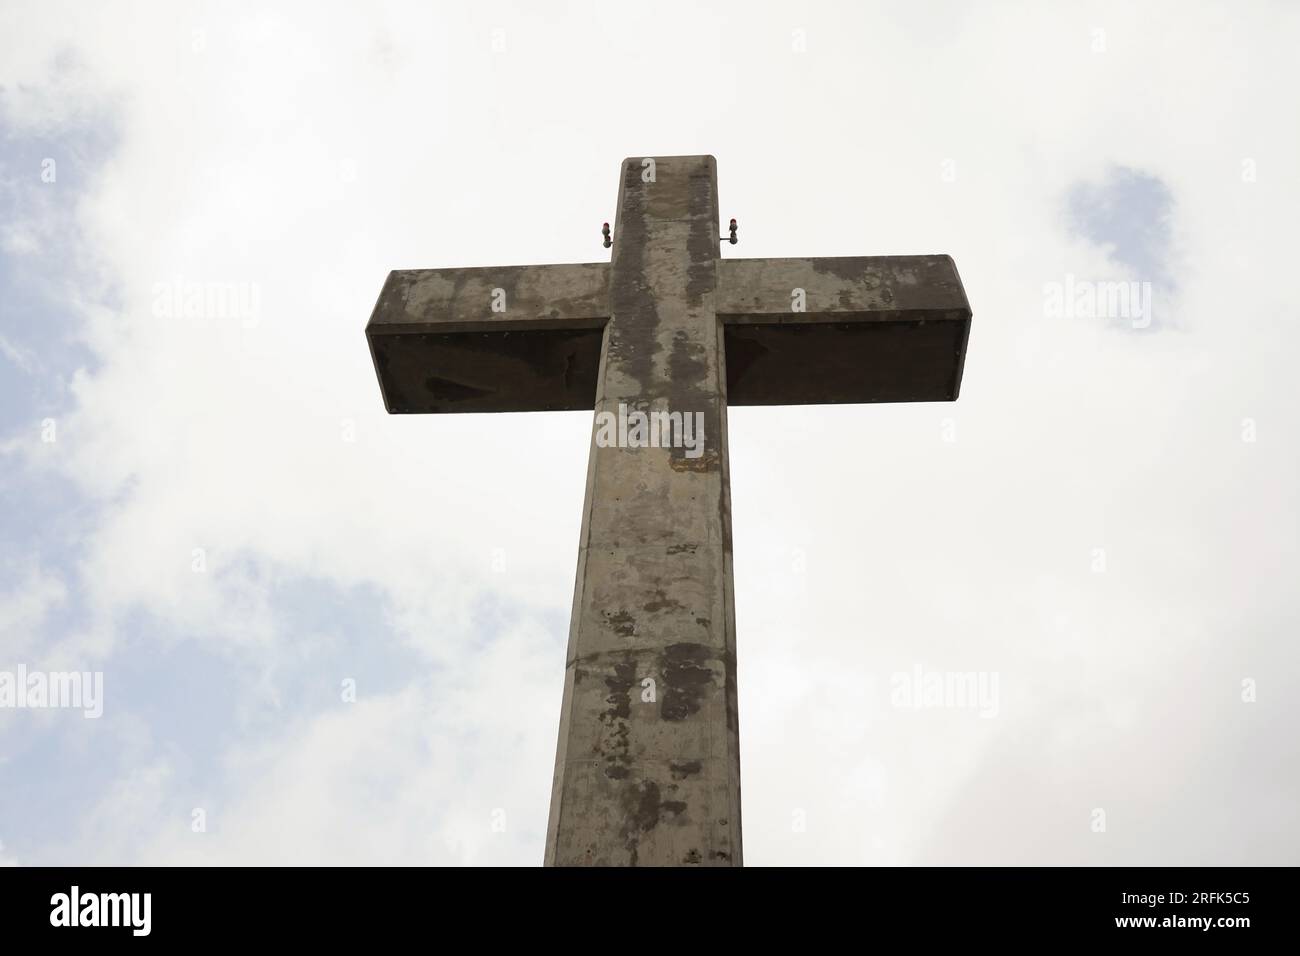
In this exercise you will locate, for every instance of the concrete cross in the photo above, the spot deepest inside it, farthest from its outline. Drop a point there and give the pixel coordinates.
(648, 764)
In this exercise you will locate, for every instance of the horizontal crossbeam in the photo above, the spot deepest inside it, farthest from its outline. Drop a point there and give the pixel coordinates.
(505, 339)
(842, 330)
(798, 331)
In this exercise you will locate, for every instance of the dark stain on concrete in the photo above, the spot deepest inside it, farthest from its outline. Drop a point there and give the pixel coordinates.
(622, 623)
(620, 693)
(729, 688)
(637, 804)
(681, 771)
(687, 678)
(661, 602)
(847, 268)
(643, 810)
(614, 747)
(631, 344)
(682, 548)
(709, 461)
(701, 245)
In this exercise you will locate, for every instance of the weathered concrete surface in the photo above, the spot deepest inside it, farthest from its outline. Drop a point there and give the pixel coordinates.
(871, 288)
(500, 339)
(873, 329)
(461, 300)
(650, 774)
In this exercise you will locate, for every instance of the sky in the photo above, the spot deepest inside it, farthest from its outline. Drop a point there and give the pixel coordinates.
(329, 635)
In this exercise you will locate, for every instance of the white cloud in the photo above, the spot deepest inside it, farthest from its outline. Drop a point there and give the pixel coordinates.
(395, 778)
(23, 608)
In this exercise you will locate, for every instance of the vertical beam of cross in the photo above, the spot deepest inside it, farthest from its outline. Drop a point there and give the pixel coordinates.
(648, 764)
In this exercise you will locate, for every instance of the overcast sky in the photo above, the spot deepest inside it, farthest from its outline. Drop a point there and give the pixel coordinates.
(215, 512)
